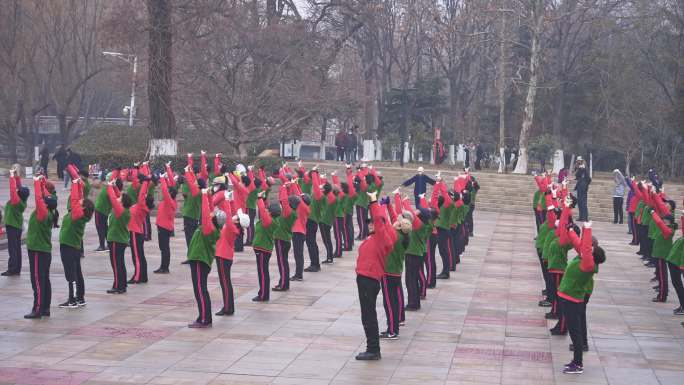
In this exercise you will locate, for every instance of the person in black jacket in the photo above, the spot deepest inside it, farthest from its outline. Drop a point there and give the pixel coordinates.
(419, 182)
(352, 144)
(583, 180)
(61, 157)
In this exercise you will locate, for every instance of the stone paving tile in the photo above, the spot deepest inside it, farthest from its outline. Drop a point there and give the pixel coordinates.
(480, 327)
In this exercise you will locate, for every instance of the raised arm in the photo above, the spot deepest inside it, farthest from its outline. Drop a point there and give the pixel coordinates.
(41, 207)
(317, 193)
(191, 181)
(282, 197)
(410, 181)
(217, 164)
(587, 258)
(117, 207)
(165, 190)
(14, 195)
(75, 197)
(207, 224)
(665, 229)
(170, 177)
(204, 173)
(142, 195)
(264, 215)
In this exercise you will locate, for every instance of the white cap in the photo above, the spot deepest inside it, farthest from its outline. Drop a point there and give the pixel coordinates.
(243, 219)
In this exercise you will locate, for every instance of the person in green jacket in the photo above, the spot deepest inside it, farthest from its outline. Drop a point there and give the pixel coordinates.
(675, 264)
(118, 236)
(71, 241)
(14, 222)
(416, 252)
(201, 255)
(282, 235)
(39, 247)
(263, 244)
(392, 290)
(662, 245)
(103, 208)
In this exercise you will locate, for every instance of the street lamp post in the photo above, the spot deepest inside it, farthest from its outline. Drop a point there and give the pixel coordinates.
(130, 59)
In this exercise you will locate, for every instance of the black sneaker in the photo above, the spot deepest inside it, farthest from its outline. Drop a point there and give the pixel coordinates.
(388, 336)
(278, 288)
(259, 299)
(185, 262)
(650, 264)
(556, 332)
(70, 304)
(223, 312)
(80, 302)
(550, 315)
(573, 368)
(544, 303)
(33, 315)
(678, 311)
(116, 291)
(313, 269)
(161, 271)
(328, 262)
(544, 292)
(444, 275)
(9, 273)
(368, 356)
(296, 278)
(102, 249)
(199, 325)
(656, 299)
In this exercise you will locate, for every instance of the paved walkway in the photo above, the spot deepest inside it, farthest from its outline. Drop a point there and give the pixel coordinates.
(481, 327)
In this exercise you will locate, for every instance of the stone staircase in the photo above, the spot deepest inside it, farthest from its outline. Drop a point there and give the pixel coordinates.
(510, 193)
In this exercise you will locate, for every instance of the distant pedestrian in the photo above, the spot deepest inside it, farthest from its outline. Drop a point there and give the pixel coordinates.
(583, 180)
(61, 157)
(340, 144)
(562, 174)
(44, 158)
(352, 143)
(618, 196)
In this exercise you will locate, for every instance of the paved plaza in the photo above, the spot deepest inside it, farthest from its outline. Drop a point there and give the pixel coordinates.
(483, 326)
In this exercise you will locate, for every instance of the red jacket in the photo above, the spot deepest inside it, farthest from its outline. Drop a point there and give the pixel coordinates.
(139, 211)
(373, 251)
(225, 246)
(166, 212)
(303, 212)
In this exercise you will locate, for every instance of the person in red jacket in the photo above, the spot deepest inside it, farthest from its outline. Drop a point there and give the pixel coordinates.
(225, 250)
(299, 235)
(136, 228)
(166, 214)
(370, 268)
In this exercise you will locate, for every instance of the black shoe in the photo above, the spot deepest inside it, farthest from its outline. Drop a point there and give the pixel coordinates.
(223, 312)
(116, 291)
(368, 356)
(185, 262)
(633, 244)
(654, 279)
(199, 325)
(388, 336)
(639, 252)
(70, 304)
(102, 249)
(80, 302)
(550, 315)
(279, 288)
(33, 315)
(650, 264)
(259, 299)
(328, 261)
(45, 313)
(296, 278)
(656, 287)
(444, 275)
(161, 271)
(656, 299)
(9, 274)
(556, 332)
(544, 292)
(544, 303)
(571, 347)
(411, 308)
(431, 286)
(132, 281)
(313, 269)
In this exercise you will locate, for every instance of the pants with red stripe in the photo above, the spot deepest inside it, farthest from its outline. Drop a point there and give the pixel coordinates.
(39, 263)
(361, 216)
(348, 232)
(116, 258)
(223, 266)
(147, 227)
(101, 227)
(445, 250)
(71, 261)
(368, 294)
(576, 314)
(548, 282)
(338, 231)
(239, 245)
(311, 244)
(250, 228)
(392, 294)
(164, 239)
(13, 249)
(415, 285)
(327, 240)
(298, 240)
(282, 254)
(138, 257)
(262, 258)
(200, 272)
(661, 274)
(676, 276)
(556, 279)
(430, 263)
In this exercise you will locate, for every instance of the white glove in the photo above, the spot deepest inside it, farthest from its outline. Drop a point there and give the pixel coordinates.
(587, 225)
(396, 191)
(189, 154)
(300, 164)
(205, 191)
(168, 163)
(75, 180)
(202, 152)
(348, 166)
(333, 173)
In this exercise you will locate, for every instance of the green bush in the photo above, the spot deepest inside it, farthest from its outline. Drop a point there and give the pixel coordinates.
(541, 148)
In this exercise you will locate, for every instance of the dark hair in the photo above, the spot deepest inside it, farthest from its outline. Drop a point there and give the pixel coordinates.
(84, 173)
(195, 169)
(126, 200)
(306, 198)
(50, 202)
(599, 255)
(24, 193)
(88, 208)
(274, 209)
(173, 192)
(345, 187)
(327, 188)
(119, 184)
(293, 201)
(369, 178)
(201, 183)
(673, 205)
(440, 201)
(245, 180)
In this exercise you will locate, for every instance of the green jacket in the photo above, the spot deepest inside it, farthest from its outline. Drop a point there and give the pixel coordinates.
(14, 214)
(39, 234)
(203, 247)
(394, 264)
(418, 240)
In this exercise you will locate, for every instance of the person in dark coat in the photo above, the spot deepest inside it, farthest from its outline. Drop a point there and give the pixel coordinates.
(479, 154)
(61, 157)
(419, 182)
(340, 145)
(44, 158)
(583, 180)
(352, 145)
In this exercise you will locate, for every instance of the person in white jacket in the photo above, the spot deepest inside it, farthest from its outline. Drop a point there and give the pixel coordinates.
(618, 196)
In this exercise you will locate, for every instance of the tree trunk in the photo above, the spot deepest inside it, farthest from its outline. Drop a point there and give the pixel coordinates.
(502, 96)
(558, 120)
(528, 119)
(243, 150)
(628, 160)
(453, 109)
(160, 66)
(11, 142)
(324, 129)
(63, 129)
